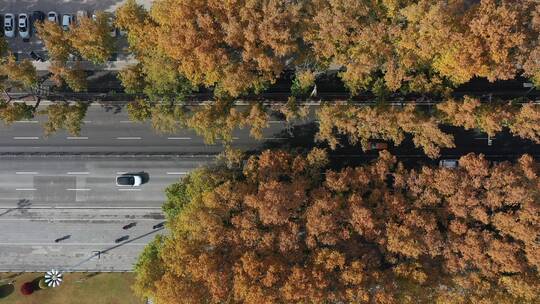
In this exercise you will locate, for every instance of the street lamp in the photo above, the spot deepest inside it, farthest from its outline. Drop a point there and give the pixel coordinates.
(53, 278)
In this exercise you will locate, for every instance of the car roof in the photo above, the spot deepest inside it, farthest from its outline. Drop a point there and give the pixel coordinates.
(125, 179)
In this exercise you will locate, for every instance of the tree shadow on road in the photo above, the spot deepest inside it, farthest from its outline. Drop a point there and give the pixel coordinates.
(297, 137)
(22, 206)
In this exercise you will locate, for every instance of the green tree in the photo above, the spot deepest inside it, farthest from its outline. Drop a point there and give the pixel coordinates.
(140, 110)
(64, 116)
(132, 79)
(168, 118)
(19, 74)
(11, 112)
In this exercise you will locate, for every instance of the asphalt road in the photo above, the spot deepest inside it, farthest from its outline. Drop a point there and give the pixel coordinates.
(76, 200)
(87, 239)
(88, 182)
(109, 130)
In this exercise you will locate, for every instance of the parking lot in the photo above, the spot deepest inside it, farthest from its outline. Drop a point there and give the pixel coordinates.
(17, 45)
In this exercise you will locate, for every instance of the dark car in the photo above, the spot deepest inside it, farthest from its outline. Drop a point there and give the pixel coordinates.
(37, 16)
(378, 145)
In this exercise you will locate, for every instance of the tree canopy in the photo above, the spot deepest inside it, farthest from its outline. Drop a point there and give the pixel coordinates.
(423, 45)
(360, 124)
(281, 231)
(64, 116)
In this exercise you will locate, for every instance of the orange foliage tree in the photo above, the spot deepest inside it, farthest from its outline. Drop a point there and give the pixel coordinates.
(280, 231)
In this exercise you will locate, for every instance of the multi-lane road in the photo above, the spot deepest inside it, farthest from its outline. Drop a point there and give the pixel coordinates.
(107, 129)
(48, 198)
(63, 187)
(75, 239)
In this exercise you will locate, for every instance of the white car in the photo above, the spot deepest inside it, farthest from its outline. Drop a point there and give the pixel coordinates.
(67, 20)
(449, 163)
(82, 14)
(9, 25)
(130, 180)
(24, 26)
(52, 17)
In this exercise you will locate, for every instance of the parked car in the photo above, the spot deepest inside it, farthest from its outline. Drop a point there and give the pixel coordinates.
(373, 145)
(113, 28)
(449, 163)
(37, 16)
(81, 14)
(9, 25)
(67, 20)
(52, 17)
(133, 180)
(24, 26)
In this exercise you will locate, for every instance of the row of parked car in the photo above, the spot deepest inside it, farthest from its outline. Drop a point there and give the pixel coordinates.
(26, 22)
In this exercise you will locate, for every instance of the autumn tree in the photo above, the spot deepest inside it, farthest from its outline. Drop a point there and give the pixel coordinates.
(292, 110)
(156, 74)
(72, 75)
(526, 123)
(364, 123)
(235, 46)
(11, 112)
(64, 116)
(168, 118)
(139, 110)
(218, 120)
(281, 231)
(21, 74)
(132, 79)
(91, 38)
(471, 114)
(56, 40)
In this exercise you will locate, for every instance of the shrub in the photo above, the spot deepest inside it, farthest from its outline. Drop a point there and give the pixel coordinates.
(42, 284)
(27, 288)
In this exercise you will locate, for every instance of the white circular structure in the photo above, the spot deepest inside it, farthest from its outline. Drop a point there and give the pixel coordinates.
(53, 278)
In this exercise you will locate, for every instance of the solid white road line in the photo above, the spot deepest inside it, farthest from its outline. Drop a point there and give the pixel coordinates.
(235, 138)
(25, 172)
(177, 173)
(121, 172)
(178, 138)
(128, 138)
(87, 121)
(77, 173)
(276, 121)
(78, 189)
(26, 189)
(27, 121)
(130, 189)
(25, 137)
(76, 138)
(126, 121)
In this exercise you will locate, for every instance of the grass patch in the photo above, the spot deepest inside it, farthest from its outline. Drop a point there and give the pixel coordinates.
(80, 288)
